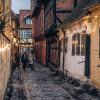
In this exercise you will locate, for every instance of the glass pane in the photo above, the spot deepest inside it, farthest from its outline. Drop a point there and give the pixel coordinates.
(83, 45)
(78, 44)
(73, 49)
(73, 44)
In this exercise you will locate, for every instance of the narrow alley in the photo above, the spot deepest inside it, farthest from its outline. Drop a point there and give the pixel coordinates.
(40, 84)
(49, 49)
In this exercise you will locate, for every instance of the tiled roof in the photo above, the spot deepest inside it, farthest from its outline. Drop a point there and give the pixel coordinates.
(80, 10)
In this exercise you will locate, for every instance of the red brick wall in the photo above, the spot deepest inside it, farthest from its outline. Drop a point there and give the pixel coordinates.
(22, 14)
(60, 5)
(38, 30)
(65, 4)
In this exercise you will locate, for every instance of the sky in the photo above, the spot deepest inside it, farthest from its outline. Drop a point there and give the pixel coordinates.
(20, 4)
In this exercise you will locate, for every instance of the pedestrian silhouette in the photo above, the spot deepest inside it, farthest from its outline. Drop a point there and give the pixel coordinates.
(17, 59)
(30, 61)
(24, 60)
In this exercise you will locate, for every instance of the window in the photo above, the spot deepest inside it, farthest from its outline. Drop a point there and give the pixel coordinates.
(83, 44)
(73, 44)
(78, 44)
(26, 34)
(28, 20)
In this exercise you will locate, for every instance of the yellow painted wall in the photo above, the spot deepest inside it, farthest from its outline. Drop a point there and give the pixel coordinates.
(95, 60)
(5, 54)
(14, 34)
(8, 29)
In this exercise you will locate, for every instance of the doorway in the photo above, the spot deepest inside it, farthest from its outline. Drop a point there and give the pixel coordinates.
(87, 56)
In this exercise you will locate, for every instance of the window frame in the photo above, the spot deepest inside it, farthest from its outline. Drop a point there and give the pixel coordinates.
(78, 43)
(28, 20)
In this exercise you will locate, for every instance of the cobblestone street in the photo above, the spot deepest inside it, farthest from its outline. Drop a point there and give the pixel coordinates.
(42, 85)
(39, 85)
(49, 49)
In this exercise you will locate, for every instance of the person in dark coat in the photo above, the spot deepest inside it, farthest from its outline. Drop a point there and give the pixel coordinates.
(17, 59)
(24, 60)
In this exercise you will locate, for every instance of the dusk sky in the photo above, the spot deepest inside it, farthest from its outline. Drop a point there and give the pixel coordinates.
(20, 4)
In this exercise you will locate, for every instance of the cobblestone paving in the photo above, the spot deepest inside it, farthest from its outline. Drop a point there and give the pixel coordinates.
(15, 89)
(40, 85)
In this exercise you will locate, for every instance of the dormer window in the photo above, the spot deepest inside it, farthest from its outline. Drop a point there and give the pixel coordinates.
(28, 20)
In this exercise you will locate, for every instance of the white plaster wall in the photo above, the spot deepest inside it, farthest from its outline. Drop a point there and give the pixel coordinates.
(72, 64)
(61, 61)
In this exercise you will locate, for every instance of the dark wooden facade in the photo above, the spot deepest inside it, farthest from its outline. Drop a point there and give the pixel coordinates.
(52, 56)
(55, 13)
(38, 31)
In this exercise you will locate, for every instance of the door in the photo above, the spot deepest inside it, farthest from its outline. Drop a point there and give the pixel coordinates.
(77, 54)
(87, 57)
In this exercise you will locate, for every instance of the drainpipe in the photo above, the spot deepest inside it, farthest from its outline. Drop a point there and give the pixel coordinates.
(63, 50)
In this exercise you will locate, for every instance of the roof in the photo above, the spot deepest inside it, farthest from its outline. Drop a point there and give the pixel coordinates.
(81, 10)
(37, 8)
(13, 15)
(28, 15)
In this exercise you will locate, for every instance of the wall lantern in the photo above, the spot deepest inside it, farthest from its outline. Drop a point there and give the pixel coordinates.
(14, 40)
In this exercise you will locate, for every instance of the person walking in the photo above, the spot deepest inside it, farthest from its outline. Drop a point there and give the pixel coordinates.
(30, 61)
(17, 59)
(24, 60)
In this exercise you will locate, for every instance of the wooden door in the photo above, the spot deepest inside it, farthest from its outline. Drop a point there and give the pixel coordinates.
(87, 57)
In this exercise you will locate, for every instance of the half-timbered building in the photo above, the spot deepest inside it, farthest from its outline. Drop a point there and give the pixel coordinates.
(82, 47)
